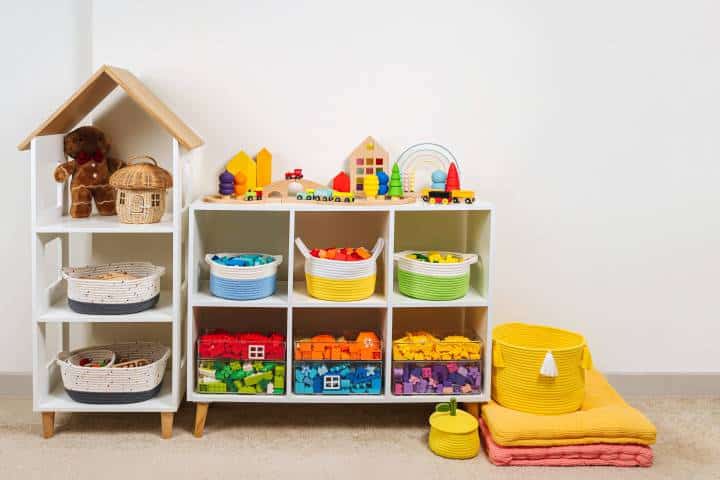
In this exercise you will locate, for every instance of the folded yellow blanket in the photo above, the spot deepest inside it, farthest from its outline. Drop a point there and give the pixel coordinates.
(603, 418)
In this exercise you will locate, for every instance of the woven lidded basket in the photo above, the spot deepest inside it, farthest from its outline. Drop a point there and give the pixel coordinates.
(340, 281)
(113, 384)
(434, 281)
(141, 190)
(242, 283)
(539, 369)
(90, 295)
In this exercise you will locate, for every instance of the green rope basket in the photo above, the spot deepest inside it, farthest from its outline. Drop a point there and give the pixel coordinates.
(427, 287)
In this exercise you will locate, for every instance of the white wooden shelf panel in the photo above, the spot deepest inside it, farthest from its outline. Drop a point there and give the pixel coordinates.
(61, 312)
(59, 401)
(292, 398)
(477, 398)
(472, 299)
(100, 224)
(301, 298)
(203, 298)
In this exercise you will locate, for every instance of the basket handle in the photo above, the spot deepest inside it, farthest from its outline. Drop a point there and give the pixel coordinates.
(401, 255)
(586, 362)
(139, 157)
(279, 258)
(497, 356)
(62, 358)
(302, 247)
(159, 271)
(377, 249)
(471, 258)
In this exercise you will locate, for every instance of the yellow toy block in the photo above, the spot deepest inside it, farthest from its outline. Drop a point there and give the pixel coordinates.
(242, 162)
(371, 185)
(263, 162)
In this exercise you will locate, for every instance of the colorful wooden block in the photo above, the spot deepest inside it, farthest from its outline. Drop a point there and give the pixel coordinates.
(242, 162)
(263, 161)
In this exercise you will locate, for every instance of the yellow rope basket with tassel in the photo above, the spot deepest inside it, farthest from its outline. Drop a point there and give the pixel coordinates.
(453, 432)
(539, 369)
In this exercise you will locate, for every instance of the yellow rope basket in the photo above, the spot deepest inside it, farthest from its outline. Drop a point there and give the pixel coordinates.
(340, 290)
(539, 369)
(339, 281)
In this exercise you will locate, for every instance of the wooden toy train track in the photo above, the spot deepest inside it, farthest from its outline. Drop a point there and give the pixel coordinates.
(308, 192)
(409, 198)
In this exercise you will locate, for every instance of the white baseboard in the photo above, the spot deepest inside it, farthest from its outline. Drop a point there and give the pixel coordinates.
(630, 384)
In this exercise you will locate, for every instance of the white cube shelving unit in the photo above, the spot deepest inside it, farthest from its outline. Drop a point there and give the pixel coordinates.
(272, 228)
(58, 240)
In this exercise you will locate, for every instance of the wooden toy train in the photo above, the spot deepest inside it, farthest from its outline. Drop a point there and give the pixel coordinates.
(325, 195)
(445, 188)
(445, 197)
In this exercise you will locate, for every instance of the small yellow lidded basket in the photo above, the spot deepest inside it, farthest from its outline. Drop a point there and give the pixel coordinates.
(453, 432)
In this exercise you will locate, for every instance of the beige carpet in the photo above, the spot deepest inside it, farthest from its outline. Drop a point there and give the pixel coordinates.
(314, 442)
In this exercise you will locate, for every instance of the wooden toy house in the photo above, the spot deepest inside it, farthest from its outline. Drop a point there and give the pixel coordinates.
(57, 237)
(368, 158)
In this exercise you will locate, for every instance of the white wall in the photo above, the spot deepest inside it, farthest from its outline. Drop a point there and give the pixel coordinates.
(45, 52)
(591, 126)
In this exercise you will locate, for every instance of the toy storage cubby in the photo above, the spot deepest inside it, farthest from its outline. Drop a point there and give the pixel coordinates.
(142, 123)
(349, 323)
(272, 228)
(254, 357)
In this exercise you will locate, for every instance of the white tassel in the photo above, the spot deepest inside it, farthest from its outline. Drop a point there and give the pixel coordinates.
(549, 367)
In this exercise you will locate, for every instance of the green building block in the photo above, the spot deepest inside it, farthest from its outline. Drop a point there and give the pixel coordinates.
(214, 387)
(245, 389)
(254, 378)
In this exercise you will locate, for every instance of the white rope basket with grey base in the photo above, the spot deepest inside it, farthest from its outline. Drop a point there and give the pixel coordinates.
(115, 383)
(92, 295)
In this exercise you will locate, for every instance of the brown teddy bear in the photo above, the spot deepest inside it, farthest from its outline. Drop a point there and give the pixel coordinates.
(90, 168)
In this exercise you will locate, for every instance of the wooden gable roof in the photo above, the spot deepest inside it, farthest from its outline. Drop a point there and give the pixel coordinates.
(99, 86)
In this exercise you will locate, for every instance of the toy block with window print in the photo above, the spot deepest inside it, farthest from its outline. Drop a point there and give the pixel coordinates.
(367, 159)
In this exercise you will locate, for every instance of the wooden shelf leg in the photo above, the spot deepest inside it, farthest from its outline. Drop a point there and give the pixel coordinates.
(48, 424)
(166, 424)
(473, 409)
(201, 410)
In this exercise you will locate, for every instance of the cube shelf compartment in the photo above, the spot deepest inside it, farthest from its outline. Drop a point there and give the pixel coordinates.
(274, 227)
(337, 378)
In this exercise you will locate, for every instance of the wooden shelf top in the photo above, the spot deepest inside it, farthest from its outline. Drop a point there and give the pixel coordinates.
(99, 86)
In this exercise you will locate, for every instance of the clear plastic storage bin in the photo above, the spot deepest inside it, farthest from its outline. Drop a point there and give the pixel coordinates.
(427, 365)
(338, 378)
(326, 365)
(247, 363)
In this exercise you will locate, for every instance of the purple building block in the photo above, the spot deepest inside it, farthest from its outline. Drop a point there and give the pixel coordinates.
(421, 386)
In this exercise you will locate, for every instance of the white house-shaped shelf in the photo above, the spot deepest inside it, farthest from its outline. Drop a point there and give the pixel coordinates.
(49, 199)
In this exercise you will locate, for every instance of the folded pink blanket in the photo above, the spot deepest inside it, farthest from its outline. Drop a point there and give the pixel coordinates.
(616, 455)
